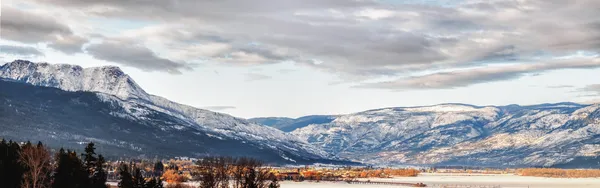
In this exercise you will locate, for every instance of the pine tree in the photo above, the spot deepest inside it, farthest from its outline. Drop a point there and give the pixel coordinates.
(159, 168)
(100, 175)
(89, 158)
(11, 171)
(94, 167)
(70, 172)
(138, 179)
(126, 181)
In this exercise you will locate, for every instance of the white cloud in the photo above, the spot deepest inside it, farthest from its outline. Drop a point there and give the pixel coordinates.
(462, 78)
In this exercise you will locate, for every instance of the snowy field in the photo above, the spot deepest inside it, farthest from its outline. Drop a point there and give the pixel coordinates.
(465, 180)
(460, 180)
(502, 180)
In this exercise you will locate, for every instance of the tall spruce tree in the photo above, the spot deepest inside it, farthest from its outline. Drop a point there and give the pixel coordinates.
(125, 178)
(159, 168)
(11, 171)
(89, 158)
(70, 172)
(138, 178)
(100, 175)
(94, 165)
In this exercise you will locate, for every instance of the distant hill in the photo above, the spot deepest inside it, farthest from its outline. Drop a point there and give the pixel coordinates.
(288, 124)
(562, 134)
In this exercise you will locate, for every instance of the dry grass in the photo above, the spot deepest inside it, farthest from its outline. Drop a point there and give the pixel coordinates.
(559, 173)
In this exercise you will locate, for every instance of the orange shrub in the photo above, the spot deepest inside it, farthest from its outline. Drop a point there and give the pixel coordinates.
(172, 176)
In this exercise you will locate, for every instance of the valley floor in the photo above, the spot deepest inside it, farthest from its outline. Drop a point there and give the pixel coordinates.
(499, 180)
(458, 181)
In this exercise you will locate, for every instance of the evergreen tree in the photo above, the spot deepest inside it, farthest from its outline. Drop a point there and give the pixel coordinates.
(138, 179)
(70, 172)
(89, 158)
(125, 179)
(100, 175)
(159, 168)
(94, 167)
(11, 171)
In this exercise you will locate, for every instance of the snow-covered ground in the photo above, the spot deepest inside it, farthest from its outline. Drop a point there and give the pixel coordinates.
(440, 180)
(503, 180)
(289, 184)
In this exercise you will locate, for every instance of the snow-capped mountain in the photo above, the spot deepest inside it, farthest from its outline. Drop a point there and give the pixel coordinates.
(109, 80)
(115, 94)
(458, 134)
(66, 105)
(289, 124)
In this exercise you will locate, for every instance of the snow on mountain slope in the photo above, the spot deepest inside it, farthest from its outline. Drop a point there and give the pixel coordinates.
(459, 134)
(110, 80)
(114, 86)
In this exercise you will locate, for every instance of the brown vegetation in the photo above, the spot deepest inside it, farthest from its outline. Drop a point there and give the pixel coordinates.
(386, 173)
(559, 173)
(245, 172)
(37, 160)
(172, 176)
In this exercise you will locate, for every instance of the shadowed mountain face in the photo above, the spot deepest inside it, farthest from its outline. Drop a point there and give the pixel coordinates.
(65, 106)
(69, 119)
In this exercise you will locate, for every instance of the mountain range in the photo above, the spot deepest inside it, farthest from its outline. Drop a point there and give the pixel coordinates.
(67, 105)
(562, 134)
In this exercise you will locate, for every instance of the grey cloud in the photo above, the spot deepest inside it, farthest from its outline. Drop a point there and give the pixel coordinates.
(255, 77)
(462, 78)
(210, 9)
(219, 108)
(20, 50)
(594, 88)
(560, 86)
(134, 55)
(285, 71)
(68, 44)
(412, 38)
(21, 26)
(26, 27)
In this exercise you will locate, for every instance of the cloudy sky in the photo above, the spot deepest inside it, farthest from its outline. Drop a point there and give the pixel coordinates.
(300, 57)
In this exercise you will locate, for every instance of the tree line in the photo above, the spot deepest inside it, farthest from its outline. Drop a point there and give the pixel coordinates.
(33, 166)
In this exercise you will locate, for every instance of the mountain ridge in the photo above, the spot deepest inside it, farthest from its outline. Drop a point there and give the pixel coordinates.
(551, 134)
(113, 87)
(535, 135)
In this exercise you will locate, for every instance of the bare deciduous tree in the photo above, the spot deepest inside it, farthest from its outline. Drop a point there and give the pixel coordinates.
(37, 161)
